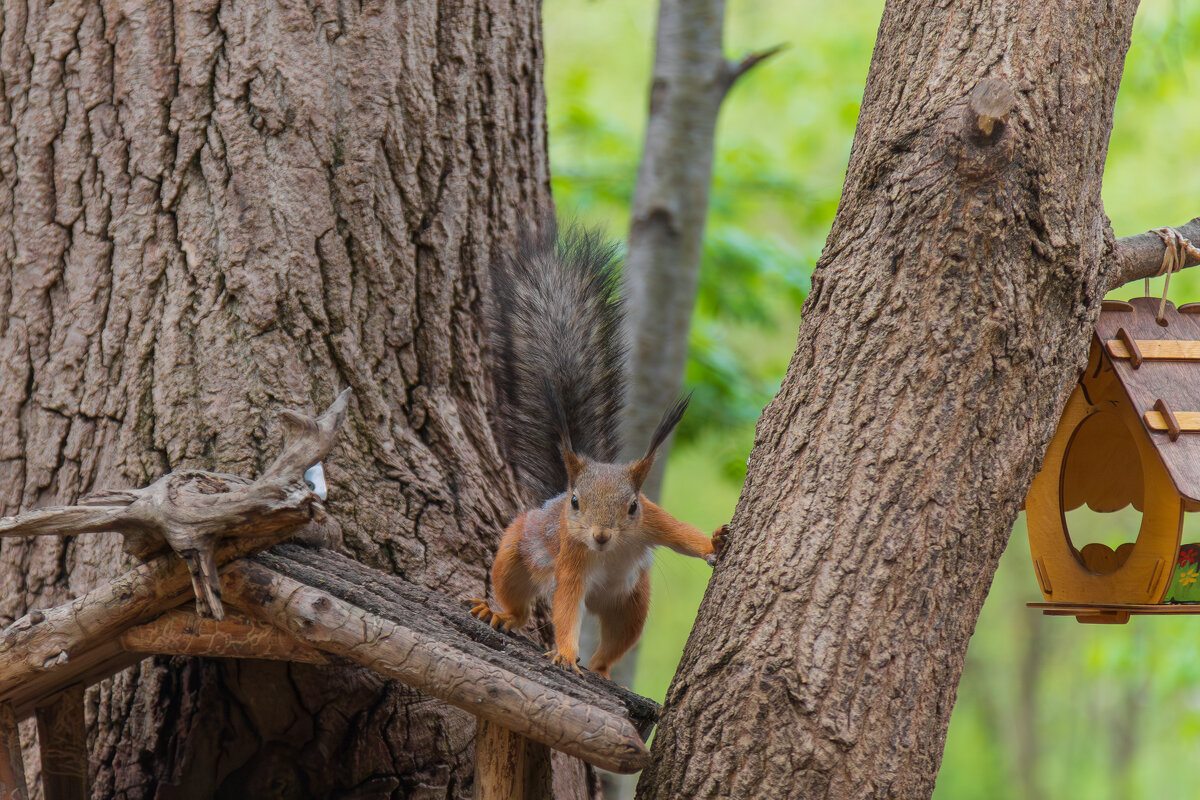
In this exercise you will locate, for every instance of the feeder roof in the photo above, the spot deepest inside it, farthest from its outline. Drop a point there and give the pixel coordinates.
(1158, 367)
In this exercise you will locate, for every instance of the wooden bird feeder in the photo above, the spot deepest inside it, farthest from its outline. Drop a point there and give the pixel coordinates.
(216, 581)
(1129, 436)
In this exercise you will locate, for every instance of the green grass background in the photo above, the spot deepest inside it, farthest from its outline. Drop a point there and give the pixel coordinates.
(1047, 707)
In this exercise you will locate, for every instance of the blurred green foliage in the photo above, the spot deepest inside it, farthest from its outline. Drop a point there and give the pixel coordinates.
(1046, 707)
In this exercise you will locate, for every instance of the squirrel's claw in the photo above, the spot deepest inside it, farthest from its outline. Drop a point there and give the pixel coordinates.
(563, 660)
(483, 612)
(719, 540)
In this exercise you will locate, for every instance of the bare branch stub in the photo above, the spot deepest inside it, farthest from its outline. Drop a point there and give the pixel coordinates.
(190, 510)
(739, 68)
(1141, 256)
(990, 103)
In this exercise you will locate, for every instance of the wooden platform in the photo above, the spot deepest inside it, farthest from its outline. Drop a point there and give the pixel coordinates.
(300, 604)
(1112, 614)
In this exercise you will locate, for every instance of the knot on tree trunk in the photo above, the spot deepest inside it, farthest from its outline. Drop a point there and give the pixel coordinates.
(979, 137)
(990, 103)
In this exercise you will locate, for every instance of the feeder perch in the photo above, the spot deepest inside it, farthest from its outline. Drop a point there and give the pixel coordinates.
(1129, 436)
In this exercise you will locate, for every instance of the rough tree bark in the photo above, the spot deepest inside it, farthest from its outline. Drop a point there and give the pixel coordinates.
(208, 209)
(950, 313)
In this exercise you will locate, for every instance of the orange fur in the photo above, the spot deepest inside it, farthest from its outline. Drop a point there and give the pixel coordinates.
(570, 572)
(612, 581)
(512, 580)
(677, 535)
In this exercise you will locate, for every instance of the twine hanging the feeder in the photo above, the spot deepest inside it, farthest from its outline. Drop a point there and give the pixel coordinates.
(1178, 249)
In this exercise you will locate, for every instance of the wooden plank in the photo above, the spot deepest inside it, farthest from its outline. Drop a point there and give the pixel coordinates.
(1137, 609)
(514, 700)
(509, 766)
(62, 741)
(1157, 349)
(12, 765)
(1189, 421)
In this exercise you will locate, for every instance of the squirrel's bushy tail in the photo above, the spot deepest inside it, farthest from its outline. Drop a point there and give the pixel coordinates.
(555, 331)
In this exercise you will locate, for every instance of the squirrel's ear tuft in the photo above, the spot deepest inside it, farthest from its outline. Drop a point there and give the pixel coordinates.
(639, 471)
(670, 419)
(574, 464)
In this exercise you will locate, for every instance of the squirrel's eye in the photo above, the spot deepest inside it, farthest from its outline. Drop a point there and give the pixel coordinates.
(633, 507)
(575, 502)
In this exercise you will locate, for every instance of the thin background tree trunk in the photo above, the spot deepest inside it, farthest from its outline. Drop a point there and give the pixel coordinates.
(210, 210)
(949, 315)
(662, 269)
(666, 232)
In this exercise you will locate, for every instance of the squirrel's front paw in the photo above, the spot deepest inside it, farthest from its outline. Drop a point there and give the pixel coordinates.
(483, 611)
(718, 541)
(563, 660)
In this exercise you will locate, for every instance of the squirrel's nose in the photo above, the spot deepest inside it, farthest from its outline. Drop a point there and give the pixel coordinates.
(602, 537)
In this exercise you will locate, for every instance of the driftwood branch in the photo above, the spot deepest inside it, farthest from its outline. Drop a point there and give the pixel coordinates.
(338, 606)
(320, 607)
(1141, 256)
(80, 641)
(190, 510)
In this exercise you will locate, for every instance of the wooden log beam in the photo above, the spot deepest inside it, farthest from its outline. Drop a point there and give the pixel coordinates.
(184, 633)
(12, 765)
(436, 666)
(46, 651)
(62, 740)
(508, 766)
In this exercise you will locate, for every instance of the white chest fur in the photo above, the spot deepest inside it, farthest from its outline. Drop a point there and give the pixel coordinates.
(615, 573)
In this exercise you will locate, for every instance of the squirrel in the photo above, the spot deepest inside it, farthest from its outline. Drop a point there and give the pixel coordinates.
(555, 330)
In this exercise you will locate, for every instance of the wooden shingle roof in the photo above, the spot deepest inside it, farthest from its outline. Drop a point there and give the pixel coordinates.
(1158, 367)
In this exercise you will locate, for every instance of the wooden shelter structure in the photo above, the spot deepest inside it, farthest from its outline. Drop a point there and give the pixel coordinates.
(1129, 436)
(288, 602)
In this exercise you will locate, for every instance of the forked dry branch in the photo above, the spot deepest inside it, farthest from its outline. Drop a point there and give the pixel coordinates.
(189, 511)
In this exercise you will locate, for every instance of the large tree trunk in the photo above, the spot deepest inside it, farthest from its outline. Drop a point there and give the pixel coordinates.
(949, 315)
(209, 210)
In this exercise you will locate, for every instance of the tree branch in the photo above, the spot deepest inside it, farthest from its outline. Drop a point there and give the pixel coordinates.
(78, 641)
(1141, 256)
(737, 69)
(66, 521)
(185, 633)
